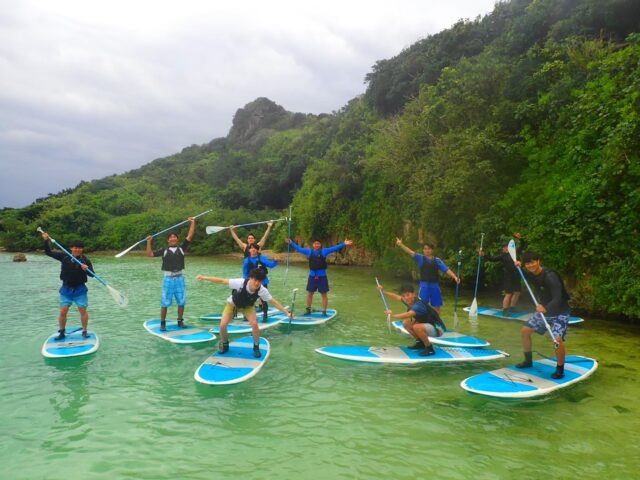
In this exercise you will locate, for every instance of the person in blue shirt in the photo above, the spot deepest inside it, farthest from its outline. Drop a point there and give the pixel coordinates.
(429, 267)
(420, 320)
(255, 260)
(318, 270)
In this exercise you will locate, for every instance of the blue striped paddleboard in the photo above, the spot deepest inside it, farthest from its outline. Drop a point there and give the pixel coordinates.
(218, 316)
(515, 315)
(449, 338)
(244, 326)
(235, 366)
(316, 317)
(176, 334)
(513, 382)
(73, 345)
(405, 355)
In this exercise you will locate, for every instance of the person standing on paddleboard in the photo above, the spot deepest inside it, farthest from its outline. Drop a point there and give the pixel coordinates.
(318, 280)
(554, 305)
(74, 278)
(246, 292)
(251, 239)
(255, 260)
(173, 285)
(511, 283)
(420, 320)
(429, 267)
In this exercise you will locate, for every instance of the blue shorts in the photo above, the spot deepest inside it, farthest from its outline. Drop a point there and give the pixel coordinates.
(173, 287)
(430, 293)
(558, 324)
(71, 295)
(321, 284)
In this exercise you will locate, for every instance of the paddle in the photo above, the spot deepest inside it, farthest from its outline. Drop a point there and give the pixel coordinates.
(456, 322)
(384, 302)
(473, 311)
(115, 294)
(214, 229)
(124, 252)
(512, 253)
(293, 305)
(286, 272)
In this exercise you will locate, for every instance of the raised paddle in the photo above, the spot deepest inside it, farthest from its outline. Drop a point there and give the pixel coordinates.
(115, 294)
(512, 253)
(293, 305)
(215, 229)
(473, 311)
(456, 322)
(124, 252)
(384, 302)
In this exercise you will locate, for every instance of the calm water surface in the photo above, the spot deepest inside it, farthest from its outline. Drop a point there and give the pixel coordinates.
(133, 409)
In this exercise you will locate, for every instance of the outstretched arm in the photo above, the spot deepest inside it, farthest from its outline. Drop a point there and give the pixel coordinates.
(192, 229)
(279, 306)
(220, 281)
(149, 246)
(453, 276)
(240, 243)
(263, 240)
(404, 247)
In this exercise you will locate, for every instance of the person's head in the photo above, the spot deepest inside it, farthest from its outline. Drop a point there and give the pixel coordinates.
(531, 261)
(172, 239)
(317, 244)
(256, 277)
(254, 249)
(77, 247)
(251, 239)
(427, 249)
(407, 293)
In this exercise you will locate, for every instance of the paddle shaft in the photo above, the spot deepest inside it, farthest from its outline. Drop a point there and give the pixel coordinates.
(455, 300)
(475, 292)
(293, 305)
(535, 301)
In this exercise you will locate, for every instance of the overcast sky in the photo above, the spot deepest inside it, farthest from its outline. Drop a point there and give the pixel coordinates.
(92, 88)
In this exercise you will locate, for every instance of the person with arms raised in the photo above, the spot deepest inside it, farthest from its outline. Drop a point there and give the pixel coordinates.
(254, 260)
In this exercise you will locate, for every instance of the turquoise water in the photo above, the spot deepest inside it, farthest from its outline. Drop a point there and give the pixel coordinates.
(133, 409)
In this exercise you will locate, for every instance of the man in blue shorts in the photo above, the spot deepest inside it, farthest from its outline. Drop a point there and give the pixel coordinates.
(420, 320)
(74, 278)
(554, 298)
(429, 267)
(318, 270)
(173, 285)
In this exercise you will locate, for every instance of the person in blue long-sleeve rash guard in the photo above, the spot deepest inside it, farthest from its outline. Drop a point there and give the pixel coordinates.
(318, 269)
(255, 260)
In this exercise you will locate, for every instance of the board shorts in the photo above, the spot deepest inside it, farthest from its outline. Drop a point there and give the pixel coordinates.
(320, 284)
(432, 331)
(232, 310)
(430, 293)
(71, 295)
(558, 324)
(511, 284)
(173, 287)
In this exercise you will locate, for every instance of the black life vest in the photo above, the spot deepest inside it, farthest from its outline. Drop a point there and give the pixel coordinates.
(242, 298)
(431, 316)
(246, 250)
(173, 262)
(429, 271)
(317, 261)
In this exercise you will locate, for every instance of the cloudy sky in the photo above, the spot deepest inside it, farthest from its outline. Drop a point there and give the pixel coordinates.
(92, 88)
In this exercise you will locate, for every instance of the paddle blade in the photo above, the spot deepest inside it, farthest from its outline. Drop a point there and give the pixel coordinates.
(456, 321)
(389, 323)
(124, 252)
(473, 310)
(212, 229)
(119, 298)
(512, 250)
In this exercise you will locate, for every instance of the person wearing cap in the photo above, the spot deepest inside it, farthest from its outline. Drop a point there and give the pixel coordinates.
(255, 260)
(510, 278)
(74, 279)
(318, 280)
(251, 239)
(554, 305)
(420, 320)
(429, 267)
(173, 284)
(245, 293)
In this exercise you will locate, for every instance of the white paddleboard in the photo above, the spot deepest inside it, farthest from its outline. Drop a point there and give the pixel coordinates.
(234, 366)
(515, 315)
(513, 382)
(316, 317)
(73, 345)
(449, 338)
(405, 355)
(176, 334)
(243, 326)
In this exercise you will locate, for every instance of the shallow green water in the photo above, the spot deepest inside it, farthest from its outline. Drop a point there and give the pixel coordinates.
(133, 409)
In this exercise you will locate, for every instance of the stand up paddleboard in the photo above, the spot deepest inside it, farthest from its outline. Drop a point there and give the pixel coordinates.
(176, 334)
(513, 382)
(218, 316)
(316, 317)
(449, 339)
(514, 315)
(245, 326)
(235, 366)
(405, 355)
(72, 345)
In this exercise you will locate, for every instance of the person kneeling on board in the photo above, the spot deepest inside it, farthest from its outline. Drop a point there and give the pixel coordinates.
(243, 298)
(421, 320)
(554, 299)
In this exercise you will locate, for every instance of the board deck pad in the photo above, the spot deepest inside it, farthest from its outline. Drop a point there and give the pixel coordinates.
(449, 338)
(234, 366)
(405, 355)
(176, 334)
(73, 345)
(216, 317)
(516, 315)
(535, 381)
(243, 326)
(316, 317)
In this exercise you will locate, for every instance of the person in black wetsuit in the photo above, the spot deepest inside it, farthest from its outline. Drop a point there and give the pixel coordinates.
(511, 284)
(74, 279)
